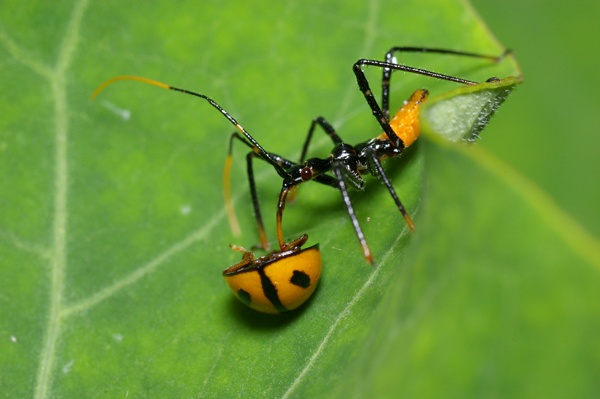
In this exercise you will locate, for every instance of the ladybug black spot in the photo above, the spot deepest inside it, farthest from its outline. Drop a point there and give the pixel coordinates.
(244, 296)
(300, 279)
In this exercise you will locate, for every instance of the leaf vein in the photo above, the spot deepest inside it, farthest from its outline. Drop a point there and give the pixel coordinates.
(22, 56)
(343, 314)
(59, 228)
(145, 269)
(26, 246)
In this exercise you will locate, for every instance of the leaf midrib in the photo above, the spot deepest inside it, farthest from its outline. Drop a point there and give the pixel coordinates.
(57, 78)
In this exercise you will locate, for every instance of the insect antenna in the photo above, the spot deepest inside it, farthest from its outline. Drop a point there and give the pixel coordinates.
(256, 147)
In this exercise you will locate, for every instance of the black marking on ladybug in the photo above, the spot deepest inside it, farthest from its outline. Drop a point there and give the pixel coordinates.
(300, 279)
(244, 296)
(270, 291)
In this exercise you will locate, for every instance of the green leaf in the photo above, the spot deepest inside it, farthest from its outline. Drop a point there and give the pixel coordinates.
(551, 135)
(460, 115)
(113, 234)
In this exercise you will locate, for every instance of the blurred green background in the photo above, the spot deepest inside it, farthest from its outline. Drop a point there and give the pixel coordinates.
(549, 130)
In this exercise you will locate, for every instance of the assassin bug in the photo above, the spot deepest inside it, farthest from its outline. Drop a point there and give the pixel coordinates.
(346, 164)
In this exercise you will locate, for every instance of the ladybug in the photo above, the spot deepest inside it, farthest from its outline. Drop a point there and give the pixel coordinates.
(279, 281)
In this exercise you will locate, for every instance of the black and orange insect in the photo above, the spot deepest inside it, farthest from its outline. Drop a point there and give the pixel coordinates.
(346, 164)
(279, 281)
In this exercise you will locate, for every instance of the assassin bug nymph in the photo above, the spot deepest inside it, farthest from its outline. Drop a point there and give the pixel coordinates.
(346, 163)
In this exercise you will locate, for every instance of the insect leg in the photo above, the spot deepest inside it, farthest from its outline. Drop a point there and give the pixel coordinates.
(279, 217)
(233, 222)
(391, 59)
(280, 161)
(339, 175)
(327, 128)
(380, 174)
(264, 242)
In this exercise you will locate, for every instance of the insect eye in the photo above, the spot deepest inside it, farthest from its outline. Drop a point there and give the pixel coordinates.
(306, 173)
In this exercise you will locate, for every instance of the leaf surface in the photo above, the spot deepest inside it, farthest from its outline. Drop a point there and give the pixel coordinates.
(113, 234)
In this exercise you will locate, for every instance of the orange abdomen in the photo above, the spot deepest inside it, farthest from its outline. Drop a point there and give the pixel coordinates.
(406, 121)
